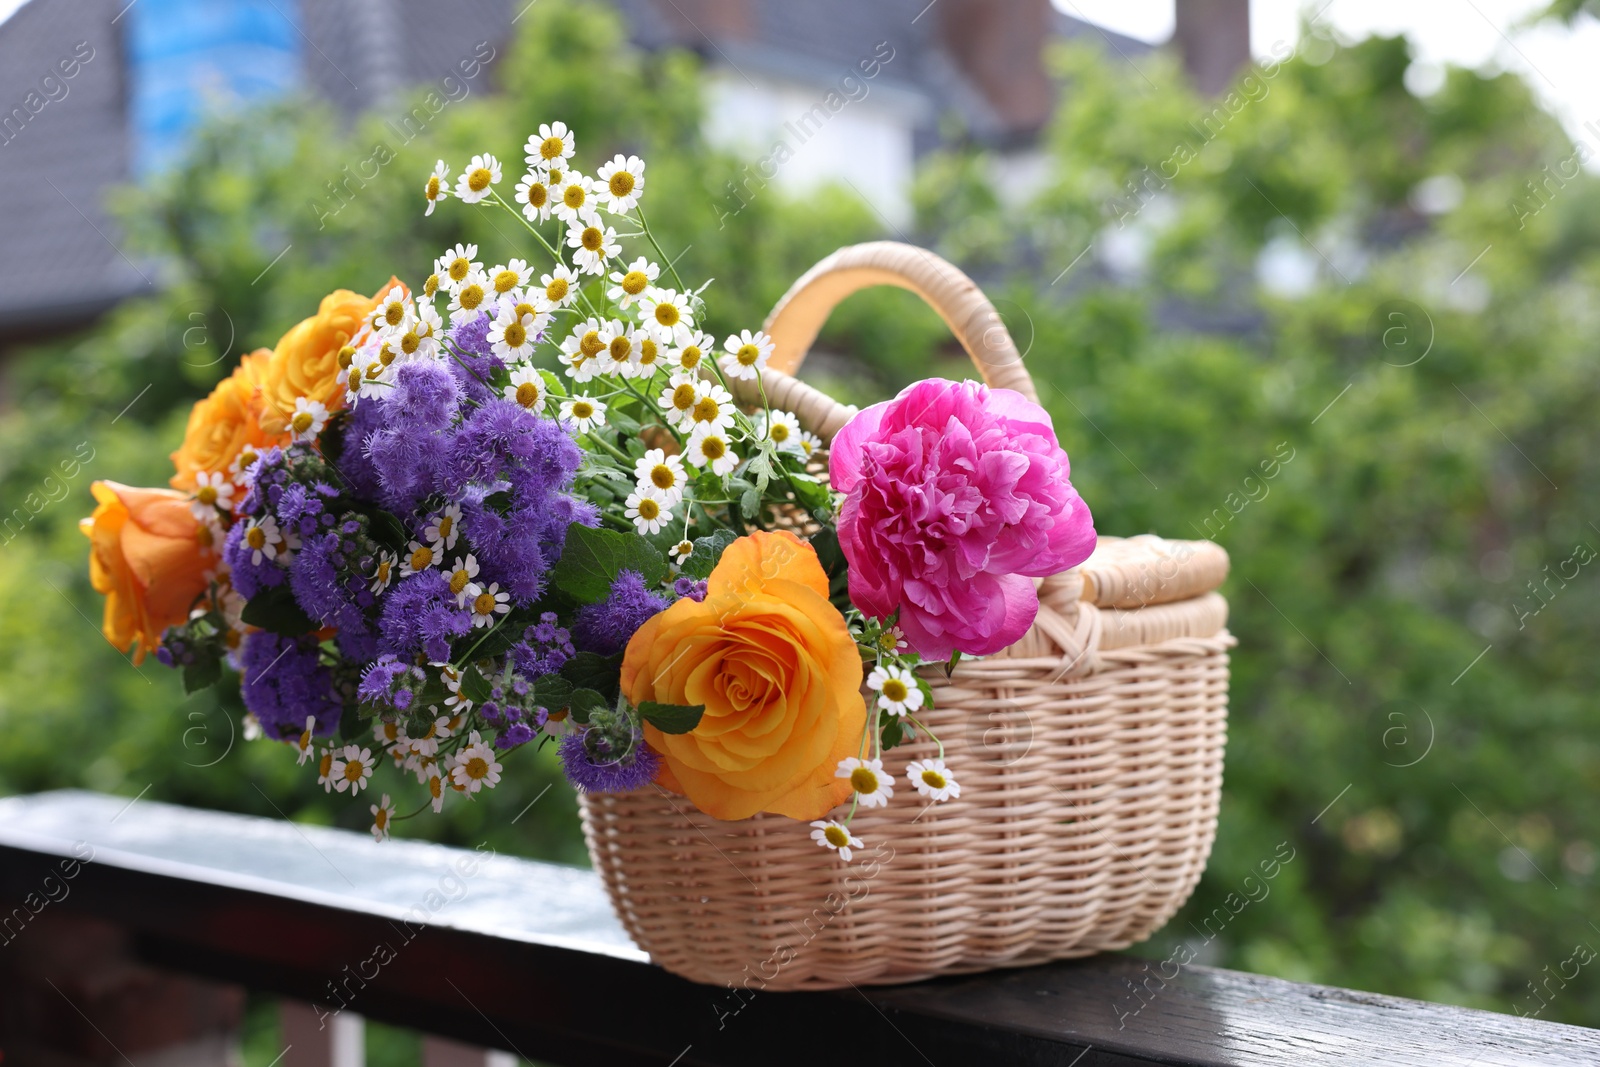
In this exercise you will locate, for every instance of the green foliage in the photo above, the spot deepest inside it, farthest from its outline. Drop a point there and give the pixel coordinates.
(1412, 707)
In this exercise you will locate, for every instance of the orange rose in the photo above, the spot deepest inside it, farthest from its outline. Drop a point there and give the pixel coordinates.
(225, 423)
(306, 361)
(146, 557)
(778, 672)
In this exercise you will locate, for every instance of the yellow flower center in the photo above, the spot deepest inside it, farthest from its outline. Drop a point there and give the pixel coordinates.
(302, 421)
(933, 778)
(421, 558)
(325, 764)
(667, 314)
(391, 732)
(459, 268)
(470, 297)
(592, 238)
(689, 358)
(837, 836)
(381, 820)
(483, 603)
(647, 351)
(347, 356)
(355, 378)
(203, 536)
(663, 476)
(582, 409)
(888, 641)
(459, 580)
(705, 409)
(551, 148)
(862, 780)
(621, 349)
(712, 448)
(433, 187)
(506, 280)
(747, 355)
(528, 394)
(558, 716)
(524, 308)
(634, 281)
(430, 286)
(621, 183)
(374, 370)
(556, 290)
(648, 508)
(256, 537)
(305, 740)
(779, 432)
(394, 313)
(591, 344)
(895, 690)
(445, 525)
(477, 767)
(434, 785)
(538, 195)
(555, 175)
(207, 495)
(383, 571)
(353, 769)
(573, 196)
(683, 397)
(410, 342)
(515, 335)
(479, 179)
(386, 354)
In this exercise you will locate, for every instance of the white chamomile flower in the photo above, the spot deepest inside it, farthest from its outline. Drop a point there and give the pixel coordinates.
(211, 492)
(663, 473)
(892, 640)
(691, 351)
(454, 266)
(393, 313)
(382, 815)
(435, 788)
(468, 300)
(810, 443)
(325, 770)
(713, 409)
(478, 177)
(444, 528)
(666, 314)
(351, 769)
(526, 388)
(782, 429)
(747, 354)
(487, 603)
(419, 557)
(582, 350)
(509, 276)
(646, 357)
(592, 245)
(303, 744)
(429, 332)
(711, 450)
(584, 412)
(308, 420)
(239, 471)
(678, 401)
(560, 288)
(620, 183)
(897, 689)
(533, 193)
(461, 576)
(648, 509)
(263, 538)
(550, 146)
(836, 835)
(682, 551)
(573, 203)
(632, 283)
(474, 767)
(873, 785)
(437, 186)
(622, 347)
(512, 336)
(389, 733)
(933, 779)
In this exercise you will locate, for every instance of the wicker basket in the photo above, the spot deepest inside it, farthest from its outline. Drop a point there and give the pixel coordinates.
(1089, 755)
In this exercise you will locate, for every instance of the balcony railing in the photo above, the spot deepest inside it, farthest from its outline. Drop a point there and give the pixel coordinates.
(129, 929)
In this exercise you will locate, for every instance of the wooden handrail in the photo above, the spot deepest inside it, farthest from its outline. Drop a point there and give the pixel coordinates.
(511, 954)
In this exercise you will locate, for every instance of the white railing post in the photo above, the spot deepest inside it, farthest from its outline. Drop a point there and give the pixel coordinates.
(442, 1052)
(316, 1038)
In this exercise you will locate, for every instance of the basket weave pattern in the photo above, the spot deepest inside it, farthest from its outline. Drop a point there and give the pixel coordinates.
(1089, 756)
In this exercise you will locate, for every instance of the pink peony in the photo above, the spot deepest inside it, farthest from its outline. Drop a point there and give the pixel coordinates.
(957, 497)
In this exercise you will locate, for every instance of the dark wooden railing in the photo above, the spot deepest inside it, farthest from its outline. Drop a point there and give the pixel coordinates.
(128, 930)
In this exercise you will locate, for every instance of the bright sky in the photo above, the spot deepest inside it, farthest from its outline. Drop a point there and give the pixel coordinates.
(1559, 63)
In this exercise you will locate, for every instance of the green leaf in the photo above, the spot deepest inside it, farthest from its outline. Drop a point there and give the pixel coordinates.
(204, 671)
(592, 559)
(672, 718)
(588, 670)
(584, 701)
(707, 551)
(476, 687)
(894, 732)
(750, 503)
(813, 495)
(351, 726)
(552, 692)
(275, 610)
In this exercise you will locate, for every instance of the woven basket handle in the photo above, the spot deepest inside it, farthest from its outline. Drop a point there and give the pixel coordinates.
(796, 319)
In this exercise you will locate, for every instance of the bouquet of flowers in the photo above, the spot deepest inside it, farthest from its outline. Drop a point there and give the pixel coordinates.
(548, 522)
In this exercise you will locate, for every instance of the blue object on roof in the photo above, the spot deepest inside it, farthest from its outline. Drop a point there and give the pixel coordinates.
(187, 58)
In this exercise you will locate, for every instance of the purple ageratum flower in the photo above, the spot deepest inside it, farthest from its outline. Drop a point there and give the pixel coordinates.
(473, 362)
(544, 649)
(689, 587)
(269, 473)
(410, 466)
(956, 497)
(284, 681)
(360, 474)
(425, 397)
(248, 577)
(499, 436)
(605, 628)
(388, 681)
(592, 764)
(420, 615)
(518, 733)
